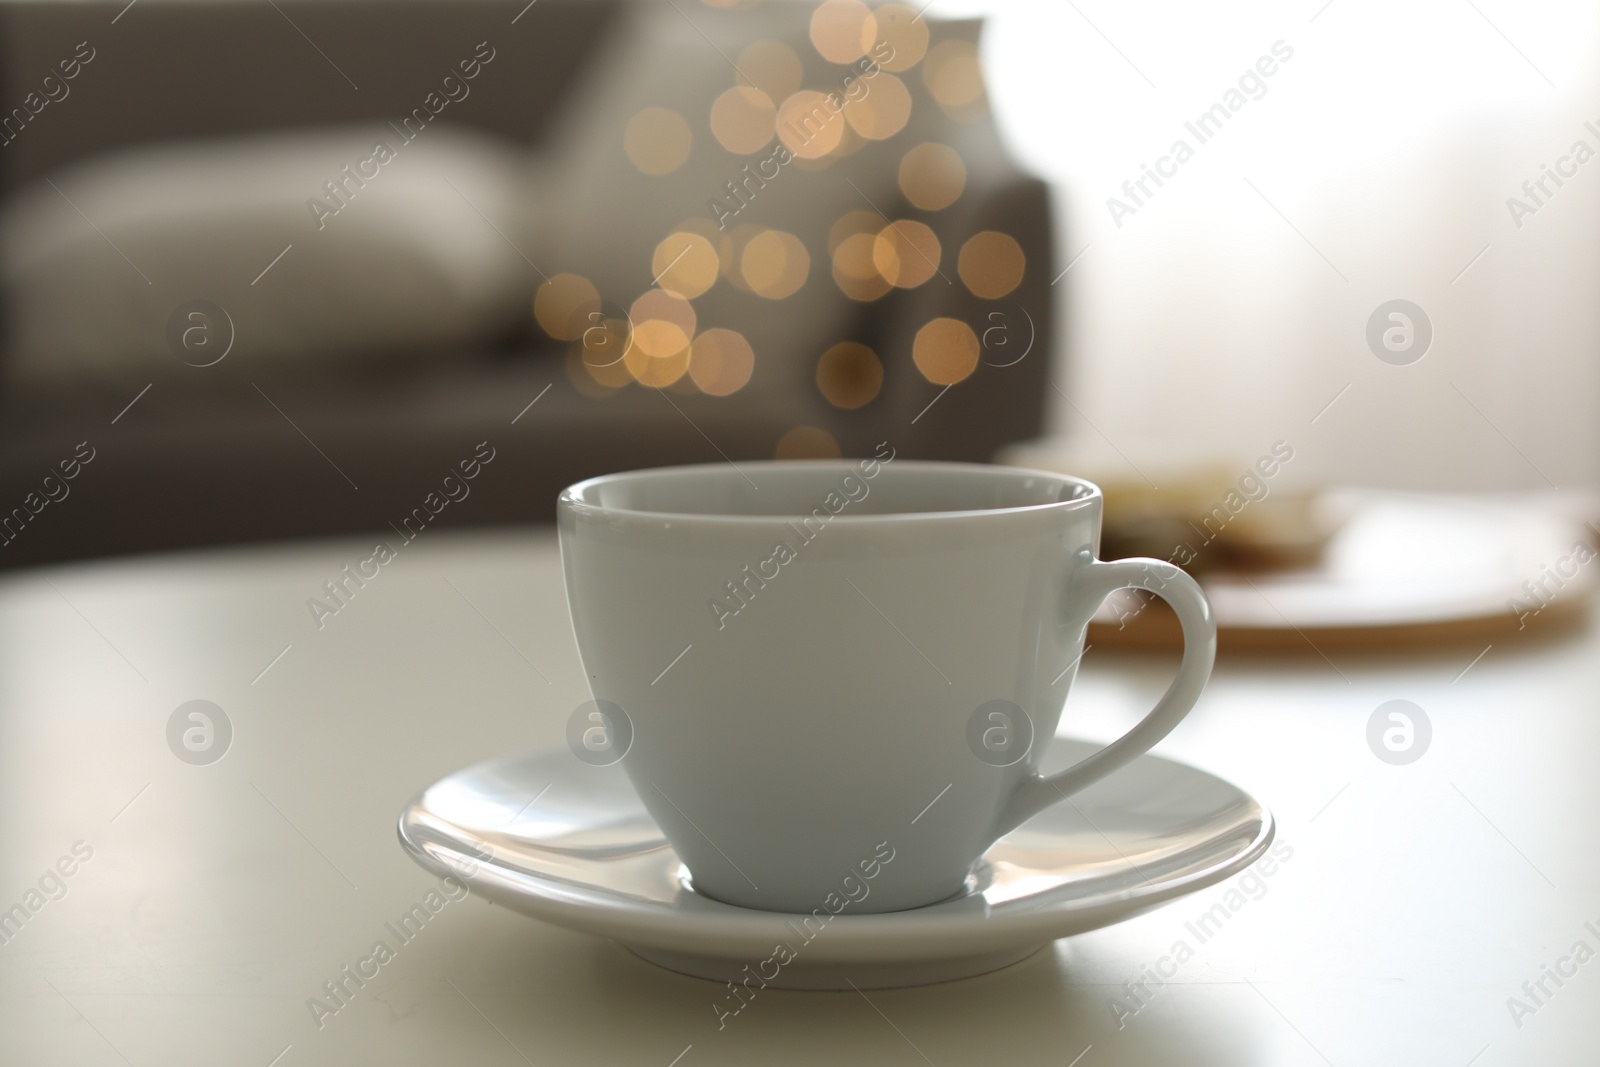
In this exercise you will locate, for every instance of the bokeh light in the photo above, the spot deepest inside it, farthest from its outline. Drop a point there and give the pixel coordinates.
(842, 30)
(662, 324)
(991, 264)
(851, 223)
(730, 251)
(906, 253)
(603, 346)
(808, 125)
(854, 271)
(954, 78)
(744, 120)
(932, 176)
(563, 303)
(657, 372)
(945, 351)
(903, 29)
(657, 140)
(596, 380)
(881, 112)
(807, 442)
(849, 375)
(775, 264)
(685, 264)
(772, 67)
(721, 362)
(850, 142)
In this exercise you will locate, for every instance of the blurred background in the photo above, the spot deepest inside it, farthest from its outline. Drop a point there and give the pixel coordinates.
(276, 270)
(1376, 164)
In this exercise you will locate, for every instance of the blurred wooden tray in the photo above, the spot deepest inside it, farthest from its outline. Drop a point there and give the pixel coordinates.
(1404, 570)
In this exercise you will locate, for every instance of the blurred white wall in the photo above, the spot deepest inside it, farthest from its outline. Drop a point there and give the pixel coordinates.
(1390, 141)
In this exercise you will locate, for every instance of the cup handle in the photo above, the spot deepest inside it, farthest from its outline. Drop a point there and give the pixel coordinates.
(1098, 580)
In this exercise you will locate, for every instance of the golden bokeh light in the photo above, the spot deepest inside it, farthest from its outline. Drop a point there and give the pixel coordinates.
(954, 78)
(903, 29)
(842, 30)
(991, 264)
(808, 125)
(721, 362)
(706, 228)
(662, 325)
(721, 242)
(945, 351)
(851, 223)
(730, 250)
(932, 176)
(827, 159)
(658, 338)
(595, 380)
(807, 442)
(775, 264)
(603, 345)
(882, 112)
(563, 304)
(657, 140)
(685, 264)
(853, 268)
(849, 375)
(772, 67)
(657, 372)
(850, 142)
(744, 120)
(906, 253)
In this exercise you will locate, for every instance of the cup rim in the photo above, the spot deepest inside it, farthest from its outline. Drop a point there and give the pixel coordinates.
(571, 498)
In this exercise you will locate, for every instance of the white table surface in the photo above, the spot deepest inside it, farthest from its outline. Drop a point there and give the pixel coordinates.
(219, 898)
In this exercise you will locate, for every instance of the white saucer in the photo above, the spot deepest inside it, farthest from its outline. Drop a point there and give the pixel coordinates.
(554, 838)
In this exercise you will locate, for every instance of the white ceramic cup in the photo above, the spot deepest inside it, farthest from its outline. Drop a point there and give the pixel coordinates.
(824, 663)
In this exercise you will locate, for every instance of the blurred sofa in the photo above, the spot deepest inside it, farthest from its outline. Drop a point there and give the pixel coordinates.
(255, 328)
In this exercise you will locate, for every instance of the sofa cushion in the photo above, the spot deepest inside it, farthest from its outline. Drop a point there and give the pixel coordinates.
(332, 246)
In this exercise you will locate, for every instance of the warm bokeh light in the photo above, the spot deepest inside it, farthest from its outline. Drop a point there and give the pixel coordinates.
(807, 442)
(903, 29)
(906, 253)
(657, 372)
(603, 345)
(772, 67)
(702, 225)
(563, 303)
(721, 362)
(721, 242)
(657, 140)
(932, 176)
(991, 264)
(595, 380)
(808, 125)
(685, 264)
(945, 351)
(662, 324)
(851, 223)
(849, 375)
(883, 111)
(744, 120)
(954, 78)
(775, 264)
(730, 251)
(841, 30)
(853, 269)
